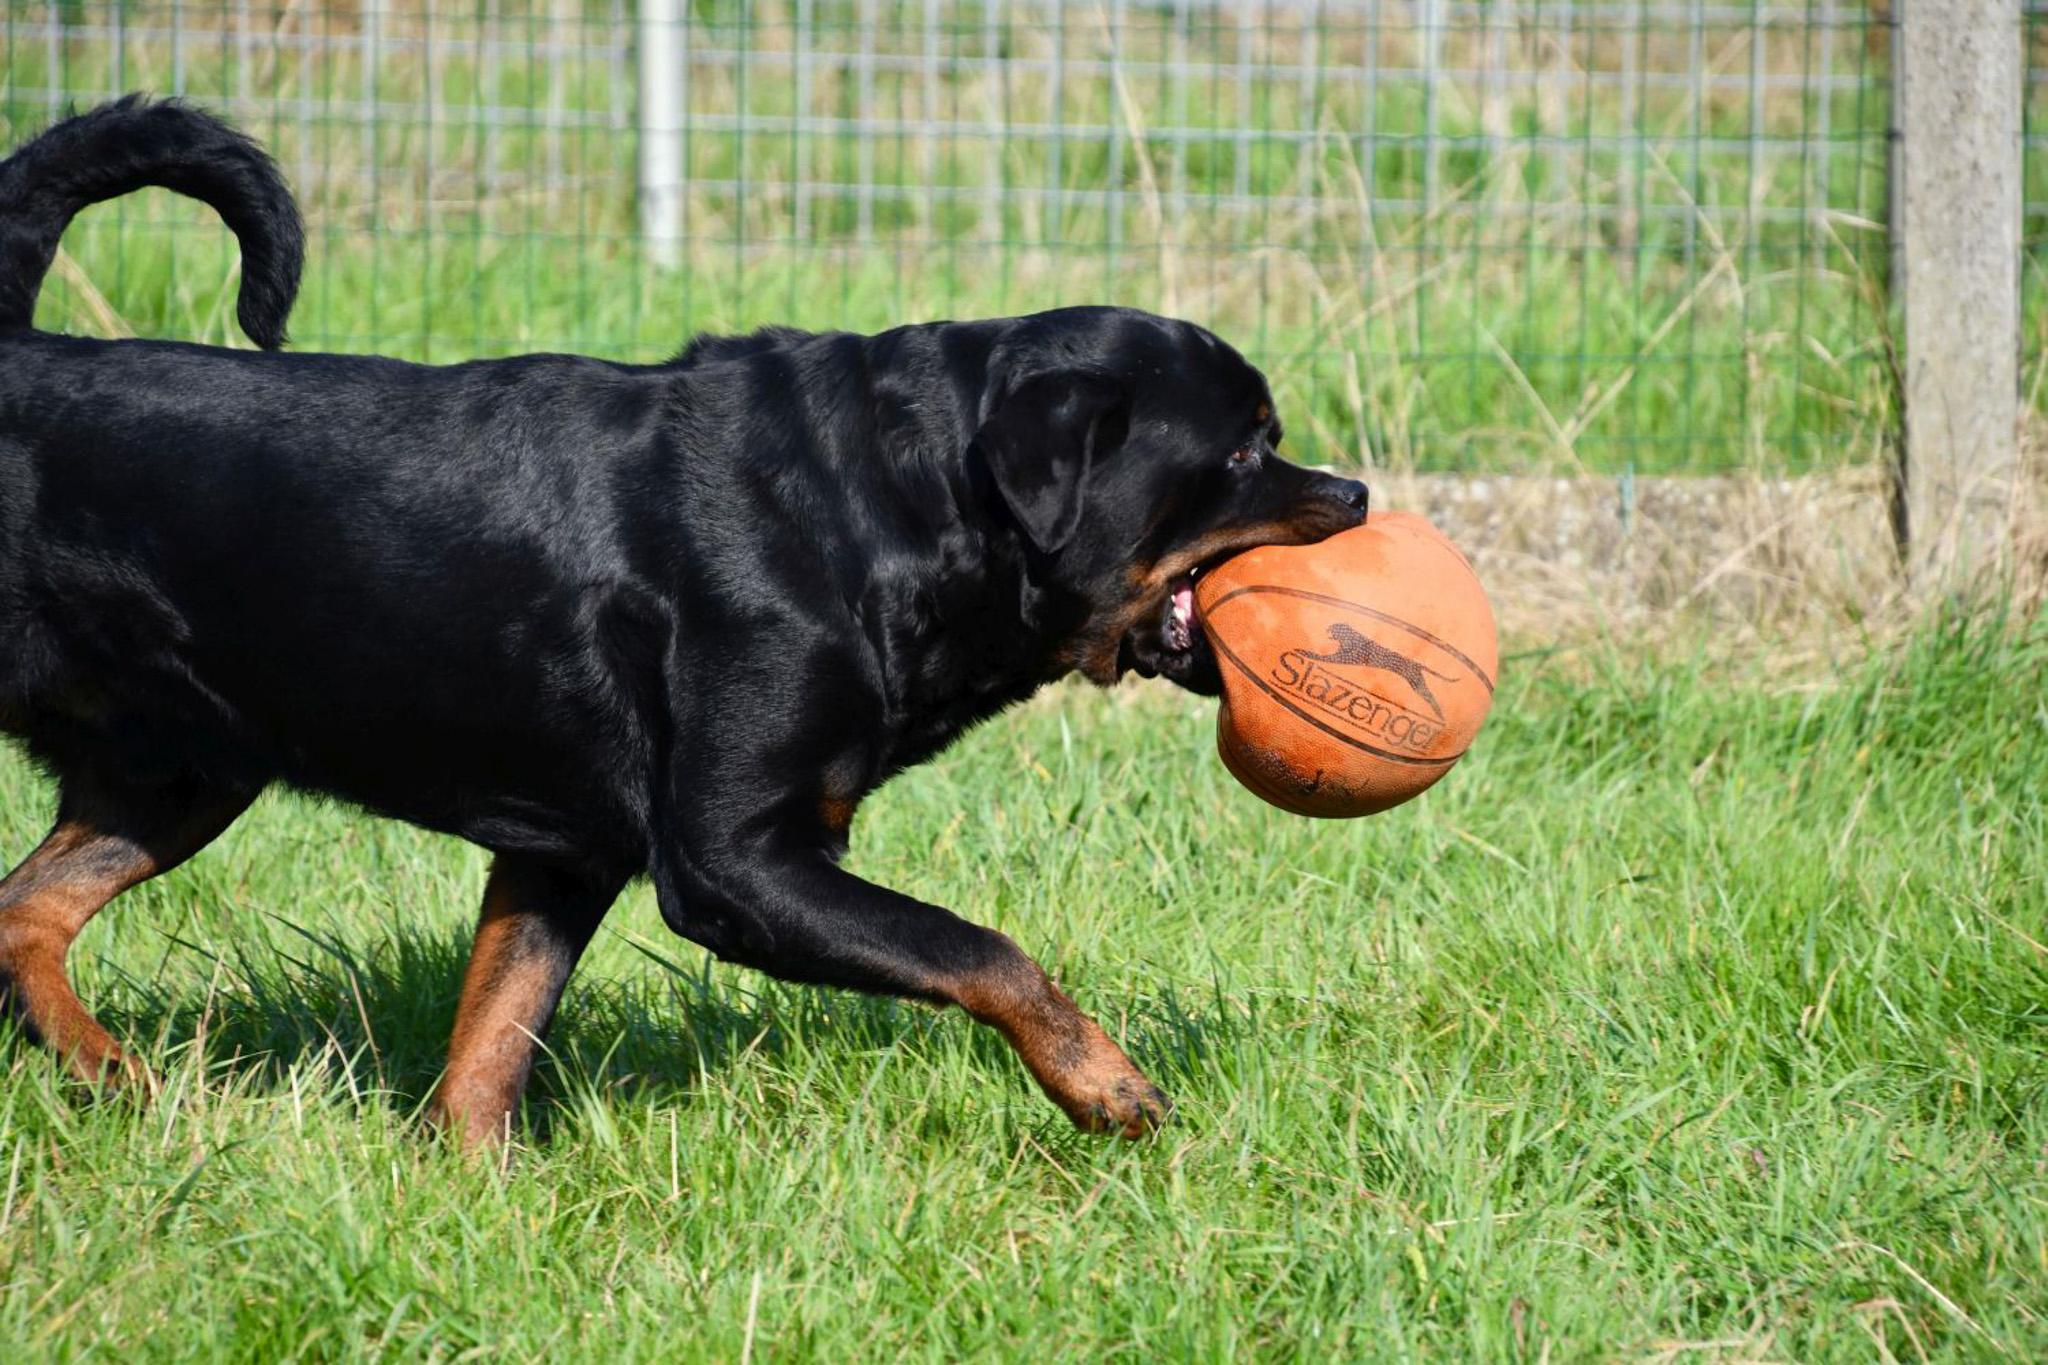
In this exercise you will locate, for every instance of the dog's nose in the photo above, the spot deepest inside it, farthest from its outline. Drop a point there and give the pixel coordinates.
(1351, 493)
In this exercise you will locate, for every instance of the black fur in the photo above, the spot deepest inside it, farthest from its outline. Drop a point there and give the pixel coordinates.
(620, 619)
(120, 148)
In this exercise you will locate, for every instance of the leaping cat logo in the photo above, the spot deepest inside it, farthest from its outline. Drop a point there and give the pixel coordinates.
(1353, 648)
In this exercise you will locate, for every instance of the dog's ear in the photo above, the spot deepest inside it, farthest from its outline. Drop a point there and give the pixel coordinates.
(1042, 438)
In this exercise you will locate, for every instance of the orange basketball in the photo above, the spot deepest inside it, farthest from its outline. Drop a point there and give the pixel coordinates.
(1355, 671)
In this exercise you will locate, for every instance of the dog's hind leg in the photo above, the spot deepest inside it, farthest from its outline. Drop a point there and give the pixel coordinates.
(107, 839)
(537, 918)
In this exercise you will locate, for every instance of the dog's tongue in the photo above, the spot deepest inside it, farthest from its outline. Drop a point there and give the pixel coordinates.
(1184, 613)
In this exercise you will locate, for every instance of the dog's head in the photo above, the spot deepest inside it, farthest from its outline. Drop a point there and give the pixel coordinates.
(1132, 453)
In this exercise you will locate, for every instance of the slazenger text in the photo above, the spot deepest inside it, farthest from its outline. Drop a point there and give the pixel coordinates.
(1367, 711)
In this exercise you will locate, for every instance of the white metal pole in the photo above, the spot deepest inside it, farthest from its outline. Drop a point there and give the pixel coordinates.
(661, 130)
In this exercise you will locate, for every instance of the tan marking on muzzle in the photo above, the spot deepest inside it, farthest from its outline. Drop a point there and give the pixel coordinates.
(1092, 650)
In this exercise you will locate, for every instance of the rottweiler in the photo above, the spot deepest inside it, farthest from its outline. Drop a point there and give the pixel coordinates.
(603, 620)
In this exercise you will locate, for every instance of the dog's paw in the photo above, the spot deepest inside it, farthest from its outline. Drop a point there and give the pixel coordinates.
(1130, 1107)
(1075, 1063)
(1104, 1093)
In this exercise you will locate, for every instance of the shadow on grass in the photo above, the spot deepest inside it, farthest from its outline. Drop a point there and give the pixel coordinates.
(376, 1017)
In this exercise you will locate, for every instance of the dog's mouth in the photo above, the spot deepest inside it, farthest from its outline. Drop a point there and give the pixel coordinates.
(1166, 639)
(1168, 642)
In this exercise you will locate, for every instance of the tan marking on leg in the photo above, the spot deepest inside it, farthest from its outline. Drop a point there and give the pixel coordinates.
(44, 904)
(514, 980)
(837, 813)
(67, 880)
(1067, 1053)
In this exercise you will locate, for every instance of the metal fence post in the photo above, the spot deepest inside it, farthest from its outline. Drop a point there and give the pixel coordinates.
(1957, 262)
(661, 130)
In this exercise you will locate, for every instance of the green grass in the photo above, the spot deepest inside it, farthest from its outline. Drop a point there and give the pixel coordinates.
(1687, 1010)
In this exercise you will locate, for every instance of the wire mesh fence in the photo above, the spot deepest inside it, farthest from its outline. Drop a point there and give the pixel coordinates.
(2034, 199)
(1506, 235)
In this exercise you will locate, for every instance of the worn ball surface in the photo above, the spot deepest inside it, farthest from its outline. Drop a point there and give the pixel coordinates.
(1355, 671)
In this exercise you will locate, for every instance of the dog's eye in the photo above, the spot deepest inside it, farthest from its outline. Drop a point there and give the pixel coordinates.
(1244, 457)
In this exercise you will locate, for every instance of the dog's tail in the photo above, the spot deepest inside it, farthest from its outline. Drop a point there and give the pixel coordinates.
(132, 143)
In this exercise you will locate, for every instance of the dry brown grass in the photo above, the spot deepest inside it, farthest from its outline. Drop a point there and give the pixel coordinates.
(2030, 517)
(1786, 572)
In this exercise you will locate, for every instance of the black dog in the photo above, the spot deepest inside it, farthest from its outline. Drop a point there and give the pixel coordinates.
(603, 620)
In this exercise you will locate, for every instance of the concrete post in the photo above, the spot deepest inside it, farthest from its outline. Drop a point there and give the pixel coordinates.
(1956, 258)
(661, 130)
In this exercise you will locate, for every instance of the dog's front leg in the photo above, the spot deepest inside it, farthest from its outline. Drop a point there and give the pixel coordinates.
(788, 909)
